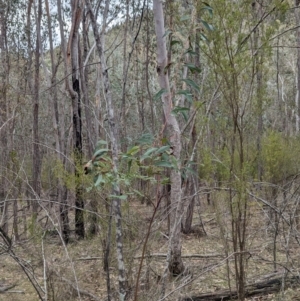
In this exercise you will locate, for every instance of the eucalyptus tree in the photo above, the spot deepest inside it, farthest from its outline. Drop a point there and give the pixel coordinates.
(114, 140)
(239, 114)
(4, 113)
(75, 93)
(58, 125)
(71, 64)
(175, 263)
(36, 157)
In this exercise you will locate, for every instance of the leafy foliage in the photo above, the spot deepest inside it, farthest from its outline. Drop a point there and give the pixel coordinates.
(142, 156)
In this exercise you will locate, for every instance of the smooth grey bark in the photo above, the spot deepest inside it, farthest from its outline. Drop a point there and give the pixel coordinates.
(84, 72)
(114, 137)
(175, 263)
(5, 132)
(61, 190)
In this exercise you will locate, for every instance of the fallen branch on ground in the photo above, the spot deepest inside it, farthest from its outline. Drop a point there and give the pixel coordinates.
(4, 289)
(263, 287)
(161, 255)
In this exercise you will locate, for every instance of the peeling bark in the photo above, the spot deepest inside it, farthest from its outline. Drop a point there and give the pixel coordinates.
(175, 263)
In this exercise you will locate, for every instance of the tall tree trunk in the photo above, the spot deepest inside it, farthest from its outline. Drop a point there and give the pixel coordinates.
(192, 181)
(74, 91)
(114, 137)
(5, 136)
(36, 161)
(175, 262)
(147, 68)
(125, 73)
(259, 90)
(84, 71)
(297, 17)
(59, 136)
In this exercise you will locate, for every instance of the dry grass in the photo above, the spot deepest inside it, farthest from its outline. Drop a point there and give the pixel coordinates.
(80, 263)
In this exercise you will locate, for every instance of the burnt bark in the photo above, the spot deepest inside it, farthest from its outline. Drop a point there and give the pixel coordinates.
(74, 91)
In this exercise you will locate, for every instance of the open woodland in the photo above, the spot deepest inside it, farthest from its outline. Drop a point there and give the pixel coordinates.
(149, 150)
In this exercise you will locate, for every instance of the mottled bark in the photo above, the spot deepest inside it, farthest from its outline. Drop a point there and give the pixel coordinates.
(175, 263)
(74, 91)
(114, 137)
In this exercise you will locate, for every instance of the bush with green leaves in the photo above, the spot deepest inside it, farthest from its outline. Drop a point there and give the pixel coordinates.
(152, 160)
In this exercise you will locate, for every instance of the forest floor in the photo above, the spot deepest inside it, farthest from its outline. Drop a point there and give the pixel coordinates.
(207, 255)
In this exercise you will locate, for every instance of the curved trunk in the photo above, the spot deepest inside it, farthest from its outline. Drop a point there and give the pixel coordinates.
(175, 263)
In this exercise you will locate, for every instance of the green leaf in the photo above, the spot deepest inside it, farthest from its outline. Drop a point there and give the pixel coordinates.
(185, 116)
(158, 95)
(138, 192)
(191, 83)
(193, 68)
(100, 152)
(174, 162)
(191, 52)
(174, 42)
(208, 8)
(208, 26)
(101, 142)
(165, 157)
(165, 181)
(178, 109)
(163, 164)
(168, 32)
(188, 95)
(132, 151)
(185, 18)
(182, 110)
(100, 180)
(148, 153)
(120, 197)
(203, 37)
(162, 149)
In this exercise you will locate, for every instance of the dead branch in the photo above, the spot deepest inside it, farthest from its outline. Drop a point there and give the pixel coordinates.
(263, 287)
(161, 255)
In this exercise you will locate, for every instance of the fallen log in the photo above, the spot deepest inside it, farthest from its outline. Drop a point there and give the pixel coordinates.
(263, 287)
